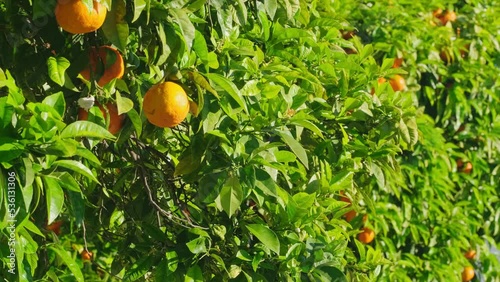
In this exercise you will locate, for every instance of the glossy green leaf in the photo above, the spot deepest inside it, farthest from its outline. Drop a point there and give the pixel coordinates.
(266, 236)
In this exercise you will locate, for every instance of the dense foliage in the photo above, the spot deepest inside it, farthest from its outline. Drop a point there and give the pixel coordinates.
(292, 132)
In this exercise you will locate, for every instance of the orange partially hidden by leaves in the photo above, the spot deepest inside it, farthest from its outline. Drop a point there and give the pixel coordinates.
(380, 80)
(106, 64)
(74, 17)
(448, 16)
(468, 168)
(166, 104)
(436, 13)
(115, 120)
(350, 215)
(467, 274)
(55, 227)
(366, 236)
(86, 255)
(397, 63)
(397, 83)
(470, 254)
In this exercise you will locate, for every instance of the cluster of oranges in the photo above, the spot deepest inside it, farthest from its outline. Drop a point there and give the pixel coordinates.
(468, 272)
(165, 104)
(367, 235)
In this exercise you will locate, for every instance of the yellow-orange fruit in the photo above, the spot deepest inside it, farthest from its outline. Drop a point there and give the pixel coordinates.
(366, 236)
(467, 274)
(470, 254)
(115, 120)
(99, 62)
(397, 83)
(166, 104)
(74, 17)
(86, 255)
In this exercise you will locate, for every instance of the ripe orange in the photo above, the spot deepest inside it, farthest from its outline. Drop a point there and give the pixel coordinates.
(448, 16)
(380, 80)
(468, 168)
(115, 120)
(436, 13)
(103, 68)
(86, 255)
(467, 274)
(350, 215)
(74, 17)
(55, 227)
(397, 83)
(470, 254)
(366, 236)
(397, 63)
(166, 104)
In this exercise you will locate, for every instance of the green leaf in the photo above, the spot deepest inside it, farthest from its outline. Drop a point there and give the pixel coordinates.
(200, 47)
(66, 180)
(194, 274)
(266, 236)
(136, 120)
(57, 102)
(88, 129)
(69, 261)
(271, 6)
(57, 68)
(295, 146)
(139, 6)
(77, 167)
(203, 83)
(229, 87)
(54, 196)
(197, 245)
(307, 124)
(9, 151)
(140, 268)
(123, 104)
(115, 28)
(77, 206)
(185, 25)
(230, 197)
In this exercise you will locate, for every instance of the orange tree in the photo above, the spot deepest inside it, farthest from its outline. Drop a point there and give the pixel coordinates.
(283, 139)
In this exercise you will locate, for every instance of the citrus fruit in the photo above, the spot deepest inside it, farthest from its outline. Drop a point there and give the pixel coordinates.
(467, 274)
(468, 168)
(106, 64)
(397, 63)
(115, 120)
(86, 255)
(350, 215)
(166, 104)
(366, 236)
(74, 17)
(470, 254)
(397, 83)
(55, 227)
(448, 16)
(380, 80)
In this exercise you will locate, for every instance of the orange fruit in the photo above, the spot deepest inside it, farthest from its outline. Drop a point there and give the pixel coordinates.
(448, 16)
(468, 168)
(350, 215)
(397, 83)
(366, 236)
(86, 255)
(436, 13)
(397, 63)
(467, 274)
(74, 17)
(104, 68)
(470, 254)
(380, 80)
(115, 120)
(166, 104)
(55, 227)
